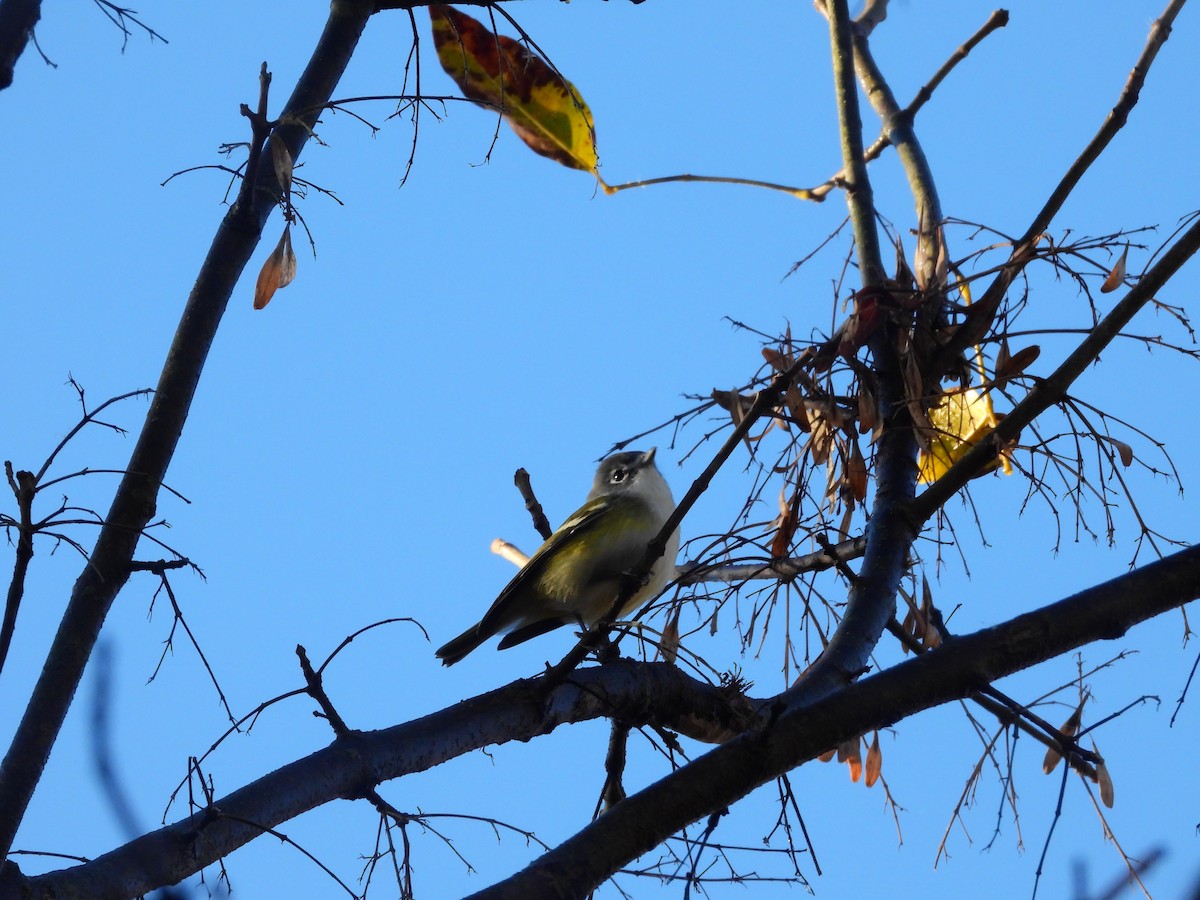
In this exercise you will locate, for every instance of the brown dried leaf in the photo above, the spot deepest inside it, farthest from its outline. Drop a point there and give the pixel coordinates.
(1002, 357)
(727, 400)
(1069, 729)
(789, 517)
(1116, 276)
(847, 519)
(795, 404)
(827, 755)
(908, 626)
(1106, 785)
(1050, 760)
(1124, 450)
(820, 439)
(1010, 366)
(669, 645)
(780, 362)
(933, 637)
(914, 387)
(868, 413)
(856, 473)
(874, 762)
(277, 271)
(1104, 779)
(281, 159)
(833, 478)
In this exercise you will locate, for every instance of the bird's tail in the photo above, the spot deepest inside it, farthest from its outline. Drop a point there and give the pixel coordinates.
(452, 651)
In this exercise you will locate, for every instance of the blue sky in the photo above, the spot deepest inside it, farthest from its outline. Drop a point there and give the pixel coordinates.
(350, 452)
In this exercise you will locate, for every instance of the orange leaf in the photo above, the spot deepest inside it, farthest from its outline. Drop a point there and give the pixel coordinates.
(851, 752)
(1116, 277)
(874, 762)
(278, 270)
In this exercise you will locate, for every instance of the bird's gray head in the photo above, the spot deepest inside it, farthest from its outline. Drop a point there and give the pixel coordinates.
(631, 472)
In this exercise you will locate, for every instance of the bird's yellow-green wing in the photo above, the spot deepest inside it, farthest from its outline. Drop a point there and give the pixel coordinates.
(582, 522)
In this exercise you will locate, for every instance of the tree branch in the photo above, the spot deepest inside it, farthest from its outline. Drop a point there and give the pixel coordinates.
(1054, 388)
(899, 127)
(17, 20)
(976, 326)
(634, 693)
(728, 773)
(859, 197)
(872, 599)
(134, 504)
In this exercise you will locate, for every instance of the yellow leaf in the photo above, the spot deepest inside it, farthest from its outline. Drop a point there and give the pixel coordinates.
(497, 72)
(277, 272)
(960, 421)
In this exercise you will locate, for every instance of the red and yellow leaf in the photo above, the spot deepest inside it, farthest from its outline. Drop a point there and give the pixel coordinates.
(501, 73)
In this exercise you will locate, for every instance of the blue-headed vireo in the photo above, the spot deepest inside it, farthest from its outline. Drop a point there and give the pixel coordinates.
(575, 576)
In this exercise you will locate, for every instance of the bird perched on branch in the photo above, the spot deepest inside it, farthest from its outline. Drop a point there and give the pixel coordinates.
(576, 575)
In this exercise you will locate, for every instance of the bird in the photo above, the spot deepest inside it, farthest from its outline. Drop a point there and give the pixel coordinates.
(576, 575)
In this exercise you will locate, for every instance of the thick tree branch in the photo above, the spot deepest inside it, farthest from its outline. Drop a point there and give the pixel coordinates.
(899, 128)
(17, 19)
(859, 196)
(726, 774)
(134, 504)
(24, 487)
(872, 599)
(634, 693)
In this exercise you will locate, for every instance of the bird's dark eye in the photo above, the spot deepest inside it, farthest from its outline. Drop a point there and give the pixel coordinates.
(619, 475)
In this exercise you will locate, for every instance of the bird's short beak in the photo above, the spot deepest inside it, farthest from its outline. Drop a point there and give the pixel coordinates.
(648, 456)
